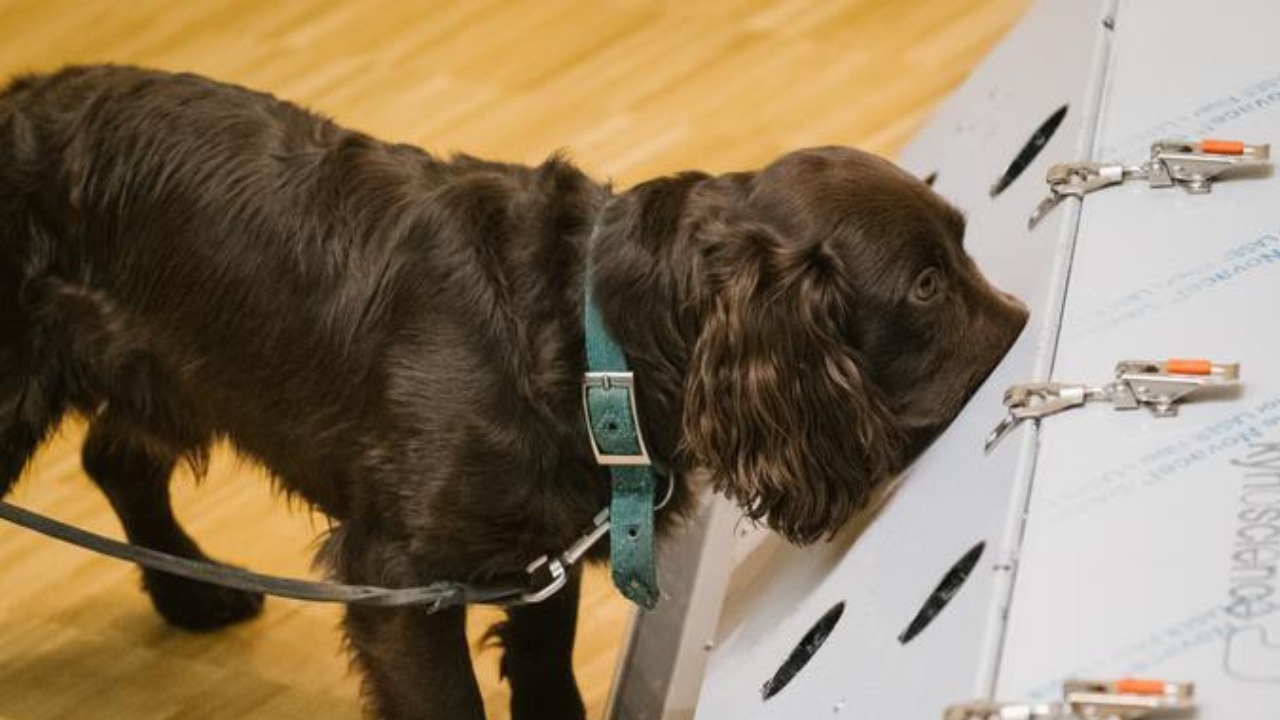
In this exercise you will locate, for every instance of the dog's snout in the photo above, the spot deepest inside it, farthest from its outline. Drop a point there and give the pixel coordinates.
(1017, 310)
(1010, 318)
(1014, 302)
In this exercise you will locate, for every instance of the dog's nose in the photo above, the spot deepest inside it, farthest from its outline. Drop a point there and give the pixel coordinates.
(1013, 302)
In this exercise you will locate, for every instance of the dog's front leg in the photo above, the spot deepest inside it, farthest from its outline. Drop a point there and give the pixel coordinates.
(537, 656)
(416, 664)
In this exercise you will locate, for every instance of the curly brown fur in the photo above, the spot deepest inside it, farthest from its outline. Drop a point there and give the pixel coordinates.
(398, 339)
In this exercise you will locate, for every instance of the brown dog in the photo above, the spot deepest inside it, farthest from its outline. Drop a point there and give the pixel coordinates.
(399, 339)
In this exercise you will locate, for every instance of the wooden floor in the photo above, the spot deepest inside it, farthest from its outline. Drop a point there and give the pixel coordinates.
(631, 89)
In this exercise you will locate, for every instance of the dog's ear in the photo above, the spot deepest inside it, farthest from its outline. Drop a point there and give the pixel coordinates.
(776, 405)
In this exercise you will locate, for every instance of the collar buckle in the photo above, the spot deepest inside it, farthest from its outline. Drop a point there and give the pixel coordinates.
(613, 427)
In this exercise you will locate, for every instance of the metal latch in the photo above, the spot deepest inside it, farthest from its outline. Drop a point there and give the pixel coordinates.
(1192, 165)
(557, 566)
(1089, 700)
(1157, 386)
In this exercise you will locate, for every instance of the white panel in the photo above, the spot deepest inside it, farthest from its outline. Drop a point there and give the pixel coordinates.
(666, 650)
(954, 496)
(1145, 537)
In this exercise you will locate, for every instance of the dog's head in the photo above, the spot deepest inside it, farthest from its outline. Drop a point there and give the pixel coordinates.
(842, 326)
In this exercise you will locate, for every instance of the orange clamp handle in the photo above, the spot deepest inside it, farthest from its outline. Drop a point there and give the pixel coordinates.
(1222, 147)
(1140, 687)
(1188, 367)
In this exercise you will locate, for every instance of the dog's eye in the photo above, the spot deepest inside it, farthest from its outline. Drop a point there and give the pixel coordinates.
(928, 286)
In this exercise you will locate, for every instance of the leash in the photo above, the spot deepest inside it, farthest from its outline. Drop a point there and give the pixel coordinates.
(437, 595)
(613, 424)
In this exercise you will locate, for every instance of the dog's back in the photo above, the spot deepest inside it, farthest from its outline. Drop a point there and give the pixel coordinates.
(198, 259)
(26, 413)
(128, 200)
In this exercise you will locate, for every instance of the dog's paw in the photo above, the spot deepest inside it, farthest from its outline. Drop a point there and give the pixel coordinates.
(198, 606)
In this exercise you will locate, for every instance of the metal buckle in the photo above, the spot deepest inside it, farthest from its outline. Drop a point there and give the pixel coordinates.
(607, 381)
(1089, 700)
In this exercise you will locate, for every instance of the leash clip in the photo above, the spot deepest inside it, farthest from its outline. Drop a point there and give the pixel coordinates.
(1192, 165)
(558, 578)
(1157, 386)
(1089, 700)
(557, 567)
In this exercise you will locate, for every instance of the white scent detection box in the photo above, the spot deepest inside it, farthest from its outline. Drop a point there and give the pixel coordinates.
(1098, 543)
(1152, 544)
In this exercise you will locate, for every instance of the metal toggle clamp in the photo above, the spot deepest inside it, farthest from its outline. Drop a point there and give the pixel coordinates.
(1157, 386)
(1089, 700)
(1192, 165)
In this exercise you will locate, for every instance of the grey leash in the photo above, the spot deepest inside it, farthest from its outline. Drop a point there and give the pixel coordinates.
(437, 595)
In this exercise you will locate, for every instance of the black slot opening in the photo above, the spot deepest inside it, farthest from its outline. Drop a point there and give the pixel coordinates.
(941, 595)
(803, 651)
(1030, 150)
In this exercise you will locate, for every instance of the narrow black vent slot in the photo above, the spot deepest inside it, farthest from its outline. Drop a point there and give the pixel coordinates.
(947, 589)
(1028, 154)
(803, 652)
